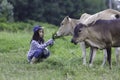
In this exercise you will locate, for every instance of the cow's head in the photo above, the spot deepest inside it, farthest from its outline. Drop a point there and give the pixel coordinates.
(79, 33)
(65, 27)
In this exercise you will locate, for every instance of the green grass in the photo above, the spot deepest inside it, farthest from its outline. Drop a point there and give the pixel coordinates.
(64, 63)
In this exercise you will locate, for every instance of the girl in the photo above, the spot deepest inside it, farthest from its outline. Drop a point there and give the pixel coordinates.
(38, 49)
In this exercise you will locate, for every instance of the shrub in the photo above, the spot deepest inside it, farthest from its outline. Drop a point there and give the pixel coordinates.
(14, 27)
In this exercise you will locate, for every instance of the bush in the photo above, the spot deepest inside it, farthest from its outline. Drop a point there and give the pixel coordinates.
(3, 19)
(14, 27)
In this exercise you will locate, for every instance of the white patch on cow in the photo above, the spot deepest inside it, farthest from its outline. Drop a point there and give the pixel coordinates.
(58, 34)
(113, 17)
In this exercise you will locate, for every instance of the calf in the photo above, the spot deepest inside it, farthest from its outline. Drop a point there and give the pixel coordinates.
(103, 34)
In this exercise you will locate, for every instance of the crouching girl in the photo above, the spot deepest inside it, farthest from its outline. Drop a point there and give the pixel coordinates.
(38, 48)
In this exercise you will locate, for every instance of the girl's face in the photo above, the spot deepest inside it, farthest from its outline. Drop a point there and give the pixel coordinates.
(41, 33)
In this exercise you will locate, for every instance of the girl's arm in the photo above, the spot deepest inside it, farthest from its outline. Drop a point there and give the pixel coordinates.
(42, 46)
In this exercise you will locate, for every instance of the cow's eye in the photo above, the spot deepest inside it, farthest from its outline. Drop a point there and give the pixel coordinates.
(79, 30)
(61, 24)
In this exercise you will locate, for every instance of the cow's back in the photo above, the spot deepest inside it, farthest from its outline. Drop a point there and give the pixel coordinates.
(105, 15)
(108, 30)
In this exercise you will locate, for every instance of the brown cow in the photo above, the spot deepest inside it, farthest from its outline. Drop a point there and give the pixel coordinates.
(103, 34)
(68, 24)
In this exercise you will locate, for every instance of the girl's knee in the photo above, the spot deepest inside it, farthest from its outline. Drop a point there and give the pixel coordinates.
(38, 53)
(46, 54)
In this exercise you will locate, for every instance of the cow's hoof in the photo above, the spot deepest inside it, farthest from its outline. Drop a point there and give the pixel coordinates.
(84, 64)
(90, 65)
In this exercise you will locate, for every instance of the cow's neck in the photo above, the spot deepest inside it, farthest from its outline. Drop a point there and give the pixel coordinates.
(95, 44)
(73, 24)
(91, 40)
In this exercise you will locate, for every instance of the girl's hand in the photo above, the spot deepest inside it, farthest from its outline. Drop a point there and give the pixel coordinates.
(50, 42)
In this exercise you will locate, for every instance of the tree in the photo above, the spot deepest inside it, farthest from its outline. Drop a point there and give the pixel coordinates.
(6, 10)
(53, 11)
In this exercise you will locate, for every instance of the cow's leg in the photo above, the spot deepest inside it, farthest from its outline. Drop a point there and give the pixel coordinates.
(109, 56)
(83, 47)
(117, 50)
(92, 55)
(105, 57)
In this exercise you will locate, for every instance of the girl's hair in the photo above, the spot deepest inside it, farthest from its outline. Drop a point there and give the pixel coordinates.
(36, 37)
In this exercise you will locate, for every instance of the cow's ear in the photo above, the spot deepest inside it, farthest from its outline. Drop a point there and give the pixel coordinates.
(117, 16)
(68, 18)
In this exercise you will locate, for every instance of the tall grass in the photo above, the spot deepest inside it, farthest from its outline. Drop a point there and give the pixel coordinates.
(64, 63)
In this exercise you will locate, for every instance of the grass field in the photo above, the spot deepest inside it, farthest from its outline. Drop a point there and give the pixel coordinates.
(65, 62)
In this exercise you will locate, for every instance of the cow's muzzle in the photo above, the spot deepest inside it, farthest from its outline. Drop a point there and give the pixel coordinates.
(73, 41)
(55, 36)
